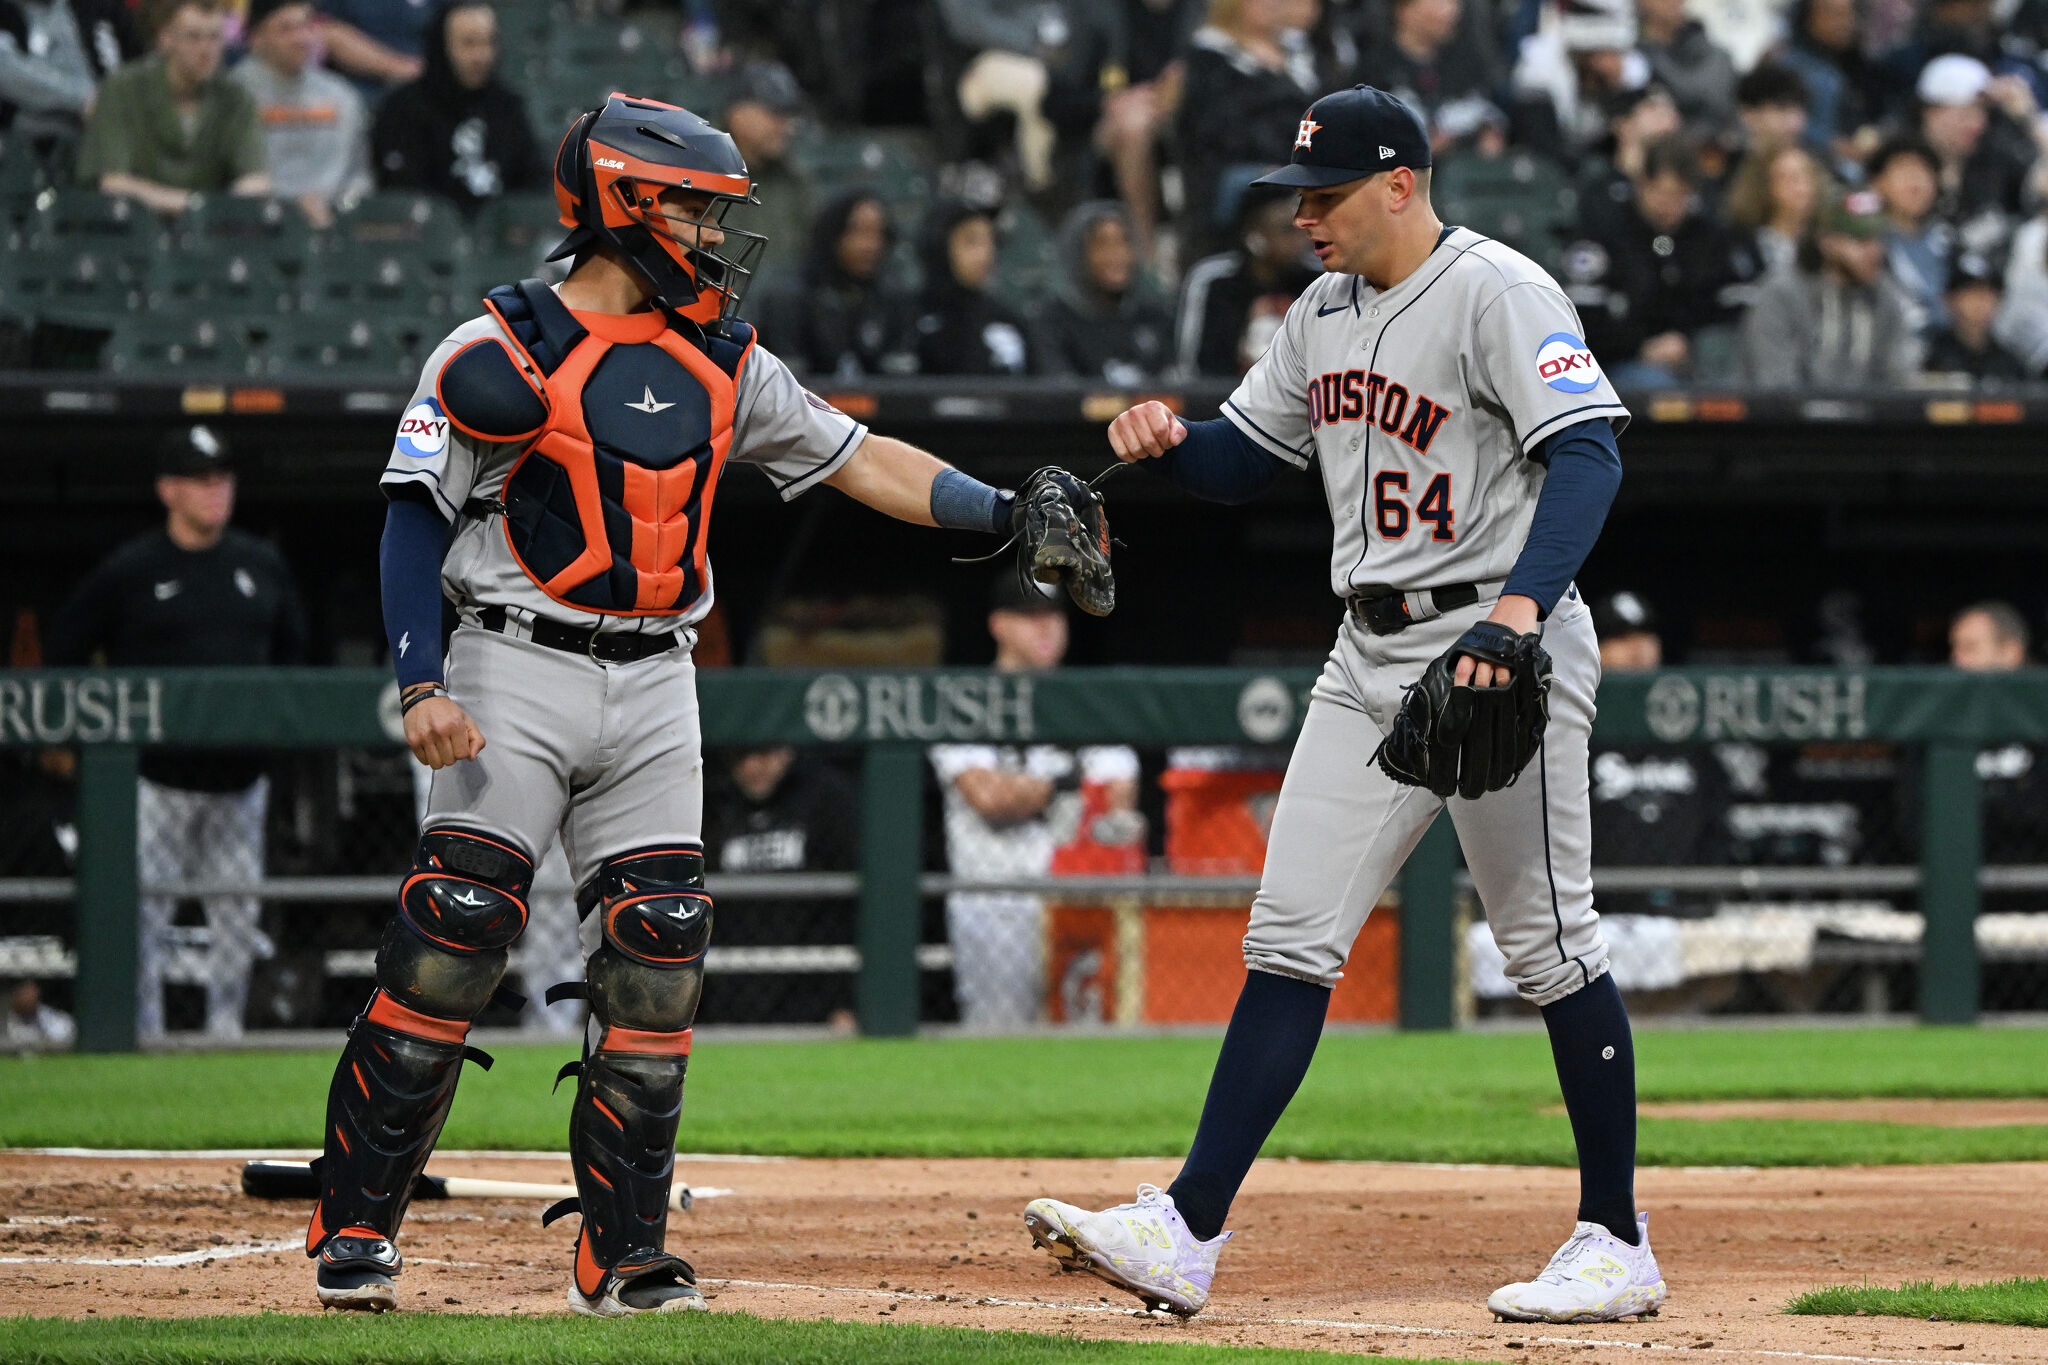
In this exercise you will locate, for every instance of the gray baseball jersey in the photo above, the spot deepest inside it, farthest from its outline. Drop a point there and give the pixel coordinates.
(1420, 403)
(797, 439)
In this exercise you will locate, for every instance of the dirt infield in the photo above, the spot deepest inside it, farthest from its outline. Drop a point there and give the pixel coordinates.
(1378, 1259)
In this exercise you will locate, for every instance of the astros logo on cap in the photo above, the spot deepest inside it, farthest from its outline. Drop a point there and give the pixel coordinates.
(1309, 128)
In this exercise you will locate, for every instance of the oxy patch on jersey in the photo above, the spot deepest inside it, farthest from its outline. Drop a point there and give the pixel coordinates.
(1564, 363)
(1369, 396)
(423, 431)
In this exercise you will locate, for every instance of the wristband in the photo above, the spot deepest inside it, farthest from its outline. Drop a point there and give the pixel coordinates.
(961, 502)
(417, 693)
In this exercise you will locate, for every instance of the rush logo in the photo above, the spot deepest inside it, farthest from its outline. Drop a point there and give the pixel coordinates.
(1367, 396)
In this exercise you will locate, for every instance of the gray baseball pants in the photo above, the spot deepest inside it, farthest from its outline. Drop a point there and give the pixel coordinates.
(1343, 828)
(610, 756)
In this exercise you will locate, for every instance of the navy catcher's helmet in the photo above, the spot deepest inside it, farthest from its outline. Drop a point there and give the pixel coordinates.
(609, 175)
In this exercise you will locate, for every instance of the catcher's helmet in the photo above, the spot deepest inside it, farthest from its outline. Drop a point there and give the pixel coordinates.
(610, 172)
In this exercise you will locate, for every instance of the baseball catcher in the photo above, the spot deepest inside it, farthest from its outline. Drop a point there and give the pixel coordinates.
(554, 475)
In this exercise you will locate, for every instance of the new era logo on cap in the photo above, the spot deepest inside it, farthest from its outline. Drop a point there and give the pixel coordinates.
(1386, 152)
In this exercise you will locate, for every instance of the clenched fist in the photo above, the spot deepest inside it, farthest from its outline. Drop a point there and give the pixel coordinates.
(1145, 431)
(440, 733)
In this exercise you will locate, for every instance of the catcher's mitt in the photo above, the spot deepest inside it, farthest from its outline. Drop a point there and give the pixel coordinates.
(1469, 741)
(1064, 530)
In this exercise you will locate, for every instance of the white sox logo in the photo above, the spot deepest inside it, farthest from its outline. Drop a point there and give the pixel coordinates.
(1308, 129)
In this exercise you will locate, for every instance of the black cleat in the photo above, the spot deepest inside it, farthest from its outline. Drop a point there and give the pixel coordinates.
(359, 1273)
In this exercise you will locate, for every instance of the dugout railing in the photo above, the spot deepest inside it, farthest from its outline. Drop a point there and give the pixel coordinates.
(891, 716)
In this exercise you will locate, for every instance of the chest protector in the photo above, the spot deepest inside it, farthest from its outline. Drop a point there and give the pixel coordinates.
(607, 507)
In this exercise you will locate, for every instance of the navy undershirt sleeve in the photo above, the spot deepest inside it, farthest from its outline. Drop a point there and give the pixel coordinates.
(409, 570)
(1585, 471)
(1217, 462)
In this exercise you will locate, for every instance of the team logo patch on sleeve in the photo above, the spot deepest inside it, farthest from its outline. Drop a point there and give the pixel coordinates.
(1564, 363)
(423, 431)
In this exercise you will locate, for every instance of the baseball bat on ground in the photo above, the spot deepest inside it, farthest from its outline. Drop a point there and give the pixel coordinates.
(298, 1180)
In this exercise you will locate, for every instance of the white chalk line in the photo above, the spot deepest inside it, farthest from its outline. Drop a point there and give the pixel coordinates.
(1364, 1328)
(173, 1258)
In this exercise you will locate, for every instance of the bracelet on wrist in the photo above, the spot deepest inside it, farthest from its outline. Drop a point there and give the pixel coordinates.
(417, 693)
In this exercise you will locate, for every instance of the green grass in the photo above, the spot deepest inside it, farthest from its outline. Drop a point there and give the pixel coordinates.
(462, 1339)
(1386, 1096)
(2017, 1302)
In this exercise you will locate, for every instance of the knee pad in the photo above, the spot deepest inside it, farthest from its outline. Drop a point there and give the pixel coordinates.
(462, 905)
(648, 972)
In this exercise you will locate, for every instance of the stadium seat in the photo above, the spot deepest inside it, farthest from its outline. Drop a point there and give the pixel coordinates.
(370, 277)
(517, 225)
(268, 228)
(21, 181)
(181, 347)
(426, 227)
(103, 223)
(75, 285)
(1520, 199)
(212, 278)
(364, 347)
(1027, 259)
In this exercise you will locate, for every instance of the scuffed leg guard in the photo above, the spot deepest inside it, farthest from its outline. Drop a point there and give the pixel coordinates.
(643, 983)
(439, 965)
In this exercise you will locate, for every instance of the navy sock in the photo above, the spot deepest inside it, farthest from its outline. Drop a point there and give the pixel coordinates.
(1266, 1051)
(1596, 1070)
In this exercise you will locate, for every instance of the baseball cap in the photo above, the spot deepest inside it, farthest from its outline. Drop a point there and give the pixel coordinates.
(1597, 25)
(1623, 613)
(259, 10)
(1858, 214)
(1968, 266)
(1014, 592)
(1350, 135)
(768, 84)
(1952, 78)
(193, 450)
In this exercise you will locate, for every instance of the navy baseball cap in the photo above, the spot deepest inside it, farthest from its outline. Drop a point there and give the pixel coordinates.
(1349, 135)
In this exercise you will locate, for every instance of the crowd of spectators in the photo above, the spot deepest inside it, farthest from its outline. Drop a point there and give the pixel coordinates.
(1820, 194)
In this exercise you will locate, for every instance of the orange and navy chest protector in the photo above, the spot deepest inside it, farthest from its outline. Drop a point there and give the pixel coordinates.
(607, 508)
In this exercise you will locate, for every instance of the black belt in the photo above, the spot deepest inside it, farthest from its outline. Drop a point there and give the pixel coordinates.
(608, 647)
(1383, 611)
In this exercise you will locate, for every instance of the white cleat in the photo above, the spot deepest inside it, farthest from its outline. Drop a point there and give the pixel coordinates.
(1143, 1248)
(1594, 1277)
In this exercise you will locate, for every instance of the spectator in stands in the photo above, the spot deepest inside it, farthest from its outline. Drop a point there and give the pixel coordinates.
(172, 125)
(1012, 43)
(1965, 346)
(1232, 303)
(1250, 73)
(1004, 806)
(774, 810)
(1777, 196)
(760, 112)
(377, 43)
(29, 1025)
(458, 131)
(1685, 60)
(53, 56)
(1652, 805)
(1916, 241)
(961, 327)
(1992, 637)
(1647, 290)
(316, 136)
(1844, 89)
(1431, 63)
(841, 318)
(1770, 108)
(1983, 158)
(1568, 70)
(1606, 187)
(2022, 325)
(1836, 320)
(1102, 322)
(1117, 88)
(197, 592)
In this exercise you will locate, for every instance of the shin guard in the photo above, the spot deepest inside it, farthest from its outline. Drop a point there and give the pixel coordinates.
(643, 985)
(441, 960)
